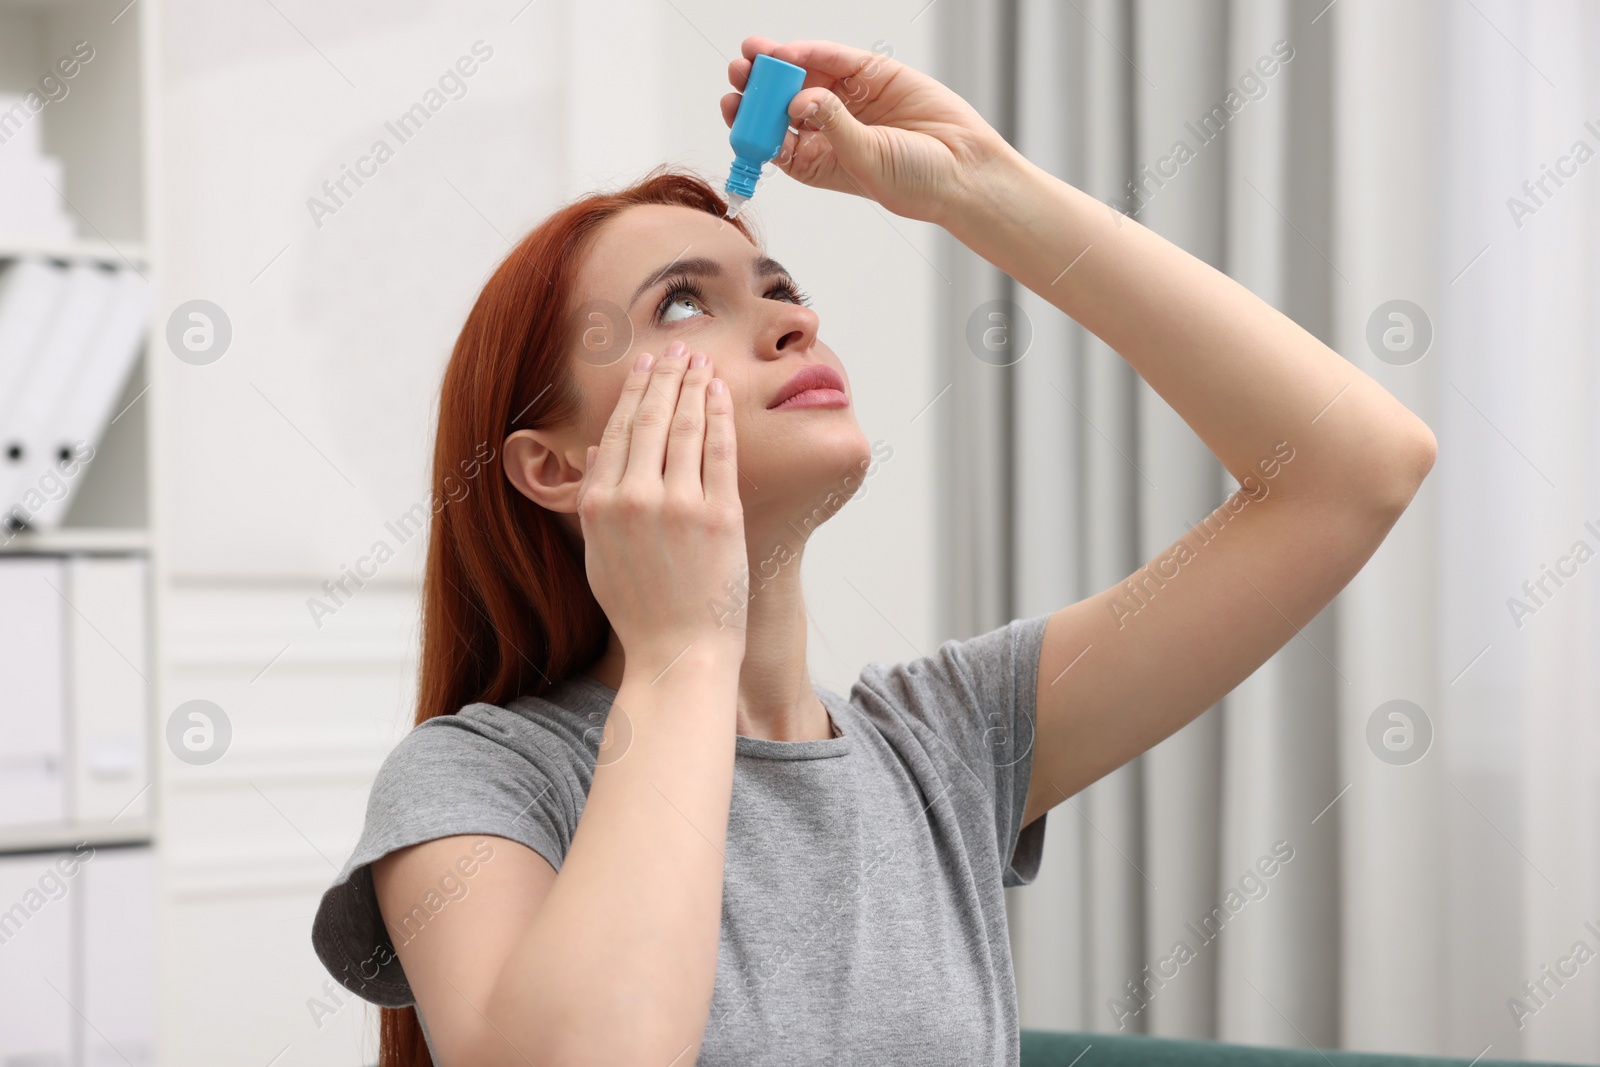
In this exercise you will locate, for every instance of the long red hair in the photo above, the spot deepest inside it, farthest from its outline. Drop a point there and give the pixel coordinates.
(506, 604)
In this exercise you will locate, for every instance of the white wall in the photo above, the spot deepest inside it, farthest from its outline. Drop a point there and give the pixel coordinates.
(283, 460)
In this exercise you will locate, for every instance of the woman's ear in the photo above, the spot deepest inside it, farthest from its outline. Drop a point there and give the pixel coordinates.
(537, 464)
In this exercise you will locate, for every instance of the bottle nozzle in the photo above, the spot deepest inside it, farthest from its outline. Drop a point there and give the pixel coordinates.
(736, 203)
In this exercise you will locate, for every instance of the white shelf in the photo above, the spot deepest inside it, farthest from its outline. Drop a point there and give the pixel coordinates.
(119, 252)
(67, 539)
(65, 836)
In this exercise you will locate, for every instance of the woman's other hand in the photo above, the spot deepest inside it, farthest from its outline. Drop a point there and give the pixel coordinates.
(881, 129)
(663, 526)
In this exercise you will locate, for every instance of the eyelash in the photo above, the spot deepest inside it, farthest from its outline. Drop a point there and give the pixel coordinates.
(682, 285)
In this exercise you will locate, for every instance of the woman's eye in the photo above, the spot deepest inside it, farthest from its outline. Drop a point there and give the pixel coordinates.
(680, 303)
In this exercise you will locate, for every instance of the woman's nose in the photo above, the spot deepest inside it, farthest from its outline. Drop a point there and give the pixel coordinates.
(791, 327)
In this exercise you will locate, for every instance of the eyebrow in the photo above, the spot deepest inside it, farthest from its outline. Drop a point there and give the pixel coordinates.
(702, 267)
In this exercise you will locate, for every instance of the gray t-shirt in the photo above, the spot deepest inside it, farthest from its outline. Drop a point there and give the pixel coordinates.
(862, 918)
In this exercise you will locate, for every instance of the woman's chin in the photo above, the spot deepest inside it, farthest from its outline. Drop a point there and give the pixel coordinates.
(819, 468)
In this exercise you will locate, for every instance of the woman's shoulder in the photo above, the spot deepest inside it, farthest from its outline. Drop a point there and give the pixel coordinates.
(519, 771)
(562, 725)
(994, 669)
(514, 769)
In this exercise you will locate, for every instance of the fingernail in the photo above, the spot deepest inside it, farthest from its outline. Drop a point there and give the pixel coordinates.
(716, 387)
(697, 360)
(676, 349)
(644, 362)
(588, 459)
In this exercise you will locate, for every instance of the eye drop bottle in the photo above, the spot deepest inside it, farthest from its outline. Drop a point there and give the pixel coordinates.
(760, 124)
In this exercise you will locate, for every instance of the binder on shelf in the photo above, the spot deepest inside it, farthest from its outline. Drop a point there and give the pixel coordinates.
(32, 684)
(117, 939)
(36, 950)
(30, 293)
(108, 683)
(26, 442)
(98, 381)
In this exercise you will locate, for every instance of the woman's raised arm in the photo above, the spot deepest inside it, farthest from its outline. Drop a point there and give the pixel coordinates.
(1240, 373)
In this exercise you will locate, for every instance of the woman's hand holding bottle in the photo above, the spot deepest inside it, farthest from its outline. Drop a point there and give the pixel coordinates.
(881, 129)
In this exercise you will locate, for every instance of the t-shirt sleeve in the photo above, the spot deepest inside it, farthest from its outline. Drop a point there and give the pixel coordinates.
(978, 697)
(484, 770)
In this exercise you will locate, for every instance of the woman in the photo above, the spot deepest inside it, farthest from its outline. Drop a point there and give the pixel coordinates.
(753, 869)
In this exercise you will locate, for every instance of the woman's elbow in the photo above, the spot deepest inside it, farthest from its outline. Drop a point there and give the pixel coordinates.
(1413, 462)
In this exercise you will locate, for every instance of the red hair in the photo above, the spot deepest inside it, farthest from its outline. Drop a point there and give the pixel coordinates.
(506, 604)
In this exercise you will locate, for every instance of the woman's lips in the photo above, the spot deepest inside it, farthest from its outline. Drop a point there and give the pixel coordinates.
(815, 398)
(810, 378)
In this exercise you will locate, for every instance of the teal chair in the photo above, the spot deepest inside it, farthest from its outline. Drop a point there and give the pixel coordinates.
(1049, 1048)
